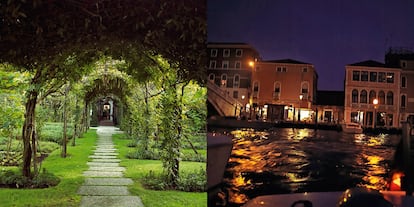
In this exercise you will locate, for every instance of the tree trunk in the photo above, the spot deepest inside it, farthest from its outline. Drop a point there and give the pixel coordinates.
(27, 132)
(65, 123)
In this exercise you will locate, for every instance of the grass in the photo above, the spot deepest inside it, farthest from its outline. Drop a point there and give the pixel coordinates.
(136, 169)
(68, 169)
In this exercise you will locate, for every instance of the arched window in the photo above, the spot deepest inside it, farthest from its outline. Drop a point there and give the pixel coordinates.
(390, 98)
(355, 96)
(236, 81)
(403, 101)
(305, 90)
(211, 77)
(372, 96)
(224, 80)
(381, 97)
(363, 97)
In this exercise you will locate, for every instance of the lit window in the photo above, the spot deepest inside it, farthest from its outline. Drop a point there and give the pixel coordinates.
(223, 80)
(390, 77)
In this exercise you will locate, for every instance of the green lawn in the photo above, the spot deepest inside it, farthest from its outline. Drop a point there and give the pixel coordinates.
(151, 198)
(69, 170)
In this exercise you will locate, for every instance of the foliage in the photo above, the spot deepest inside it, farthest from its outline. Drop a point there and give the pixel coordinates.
(14, 179)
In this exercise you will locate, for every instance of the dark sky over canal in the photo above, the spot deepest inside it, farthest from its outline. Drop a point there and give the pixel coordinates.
(326, 33)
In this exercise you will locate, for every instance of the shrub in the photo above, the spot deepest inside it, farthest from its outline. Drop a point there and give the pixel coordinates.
(47, 147)
(14, 179)
(143, 155)
(189, 182)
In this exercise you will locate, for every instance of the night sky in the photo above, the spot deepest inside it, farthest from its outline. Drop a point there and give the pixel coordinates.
(326, 33)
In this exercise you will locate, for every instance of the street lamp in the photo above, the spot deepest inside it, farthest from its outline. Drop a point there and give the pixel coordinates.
(300, 105)
(375, 102)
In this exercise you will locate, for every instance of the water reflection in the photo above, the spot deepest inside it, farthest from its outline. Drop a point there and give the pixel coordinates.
(304, 160)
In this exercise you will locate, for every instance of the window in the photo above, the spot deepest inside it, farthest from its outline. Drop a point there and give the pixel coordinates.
(381, 77)
(213, 53)
(224, 80)
(354, 96)
(225, 64)
(364, 75)
(403, 101)
(354, 117)
(256, 86)
(237, 64)
(363, 96)
(390, 98)
(403, 82)
(276, 90)
(305, 70)
(236, 81)
(372, 96)
(255, 89)
(212, 64)
(279, 69)
(284, 69)
(211, 77)
(381, 97)
(235, 94)
(403, 64)
(390, 77)
(226, 53)
(373, 76)
(239, 52)
(305, 90)
(355, 75)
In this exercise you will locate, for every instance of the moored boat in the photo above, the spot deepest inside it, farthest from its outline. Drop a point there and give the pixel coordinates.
(351, 128)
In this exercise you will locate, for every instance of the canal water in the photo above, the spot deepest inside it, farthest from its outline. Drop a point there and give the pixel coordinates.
(290, 160)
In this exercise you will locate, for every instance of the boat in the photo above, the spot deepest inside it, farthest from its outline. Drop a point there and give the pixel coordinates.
(353, 128)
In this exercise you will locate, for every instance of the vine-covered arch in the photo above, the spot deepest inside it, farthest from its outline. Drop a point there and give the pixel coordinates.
(57, 40)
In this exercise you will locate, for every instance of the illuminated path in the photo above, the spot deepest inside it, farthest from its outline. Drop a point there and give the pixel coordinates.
(104, 184)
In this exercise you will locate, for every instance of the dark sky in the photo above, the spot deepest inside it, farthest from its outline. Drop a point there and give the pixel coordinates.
(326, 33)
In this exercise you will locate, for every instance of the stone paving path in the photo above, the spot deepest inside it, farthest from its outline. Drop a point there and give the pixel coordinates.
(104, 184)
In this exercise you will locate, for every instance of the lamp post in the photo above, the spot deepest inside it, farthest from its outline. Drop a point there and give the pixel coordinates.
(300, 105)
(375, 102)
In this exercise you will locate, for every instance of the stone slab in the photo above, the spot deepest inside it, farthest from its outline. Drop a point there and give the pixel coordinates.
(106, 153)
(102, 164)
(107, 160)
(106, 169)
(108, 181)
(111, 201)
(103, 174)
(102, 157)
(104, 150)
(103, 190)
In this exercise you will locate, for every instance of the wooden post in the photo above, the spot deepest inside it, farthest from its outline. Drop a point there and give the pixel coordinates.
(407, 181)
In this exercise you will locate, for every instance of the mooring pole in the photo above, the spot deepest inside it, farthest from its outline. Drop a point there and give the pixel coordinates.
(406, 139)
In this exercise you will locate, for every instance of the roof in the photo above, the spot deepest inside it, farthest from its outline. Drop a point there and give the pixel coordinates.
(330, 98)
(291, 61)
(369, 63)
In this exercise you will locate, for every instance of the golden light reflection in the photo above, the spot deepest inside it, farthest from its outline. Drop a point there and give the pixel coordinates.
(373, 178)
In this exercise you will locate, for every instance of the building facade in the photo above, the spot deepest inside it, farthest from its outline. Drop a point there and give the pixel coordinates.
(372, 94)
(404, 59)
(283, 90)
(230, 68)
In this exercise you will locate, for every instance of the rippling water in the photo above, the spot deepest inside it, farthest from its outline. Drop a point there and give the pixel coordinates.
(304, 160)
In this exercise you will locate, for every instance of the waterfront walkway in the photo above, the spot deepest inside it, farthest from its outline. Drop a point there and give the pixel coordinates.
(104, 182)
